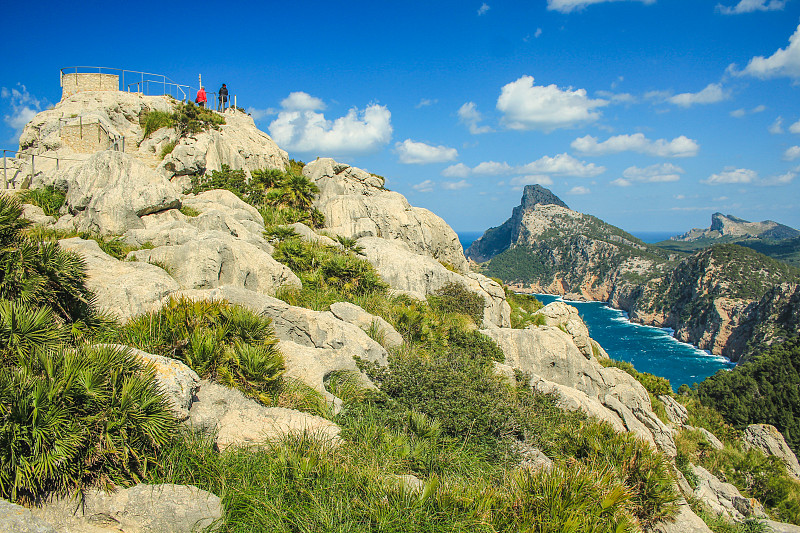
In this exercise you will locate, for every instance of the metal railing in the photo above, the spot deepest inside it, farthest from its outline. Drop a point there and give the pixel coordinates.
(33, 163)
(144, 80)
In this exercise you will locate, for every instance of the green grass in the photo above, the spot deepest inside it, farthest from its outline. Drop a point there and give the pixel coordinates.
(48, 199)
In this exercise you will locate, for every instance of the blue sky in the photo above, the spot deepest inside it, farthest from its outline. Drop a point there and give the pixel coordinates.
(650, 114)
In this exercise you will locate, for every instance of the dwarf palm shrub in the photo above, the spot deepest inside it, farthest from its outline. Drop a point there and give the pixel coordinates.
(77, 416)
(456, 298)
(229, 344)
(48, 199)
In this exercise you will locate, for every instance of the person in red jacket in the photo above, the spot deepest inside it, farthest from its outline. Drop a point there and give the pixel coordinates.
(201, 97)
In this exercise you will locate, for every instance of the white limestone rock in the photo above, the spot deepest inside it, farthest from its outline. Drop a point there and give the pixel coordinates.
(356, 205)
(238, 421)
(110, 191)
(676, 412)
(308, 234)
(35, 214)
(356, 315)
(226, 201)
(723, 498)
(566, 316)
(422, 275)
(769, 440)
(19, 519)
(122, 288)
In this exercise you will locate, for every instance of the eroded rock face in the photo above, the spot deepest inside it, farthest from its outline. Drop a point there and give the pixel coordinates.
(723, 498)
(685, 522)
(19, 519)
(566, 316)
(421, 275)
(238, 421)
(142, 508)
(123, 289)
(676, 412)
(356, 205)
(108, 193)
(769, 440)
(356, 315)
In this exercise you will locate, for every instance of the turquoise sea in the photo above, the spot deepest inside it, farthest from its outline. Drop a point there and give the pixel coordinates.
(649, 349)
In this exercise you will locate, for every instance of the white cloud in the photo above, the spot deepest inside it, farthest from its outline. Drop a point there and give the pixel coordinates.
(791, 153)
(748, 6)
(759, 109)
(617, 98)
(795, 128)
(567, 6)
(739, 113)
(425, 186)
(305, 130)
(459, 170)
(661, 173)
(621, 182)
(784, 62)
(712, 94)
(563, 165)
(300, 101)
(483, 9)
(425, 102)
(258, 114)
(732, 175)
(538, 33)
(560, 165)
(521, 181)
(455, 185)
(783, 179)
(578, 190)
(412, 152)
(777, 127)
(469, 115)
(24, 106)
(678, 147)
(526, 106)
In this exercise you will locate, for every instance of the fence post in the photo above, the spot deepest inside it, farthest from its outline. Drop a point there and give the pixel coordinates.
(5, 172)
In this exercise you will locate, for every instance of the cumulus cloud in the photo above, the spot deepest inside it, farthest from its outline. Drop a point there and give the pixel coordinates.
(712, 94)
(23, 106)
(538, 33)
(617, 98)
(783, 179)
(662, 173)
(483, 9)
(425, 186)
(526, 106)
(456, 185)
(258, 114)
(568, 6)
(791, 153)
(300, 127)
(795, 128)
(300, 101)
(621, 182)
(521, 181)
(777, 127)
(732, 175)
(578, 190)
(413, 152)
(748, 6)
(739, 113)
(469, 115)
(425, 102)
(542, 168)
(784, 62)
(678, 147)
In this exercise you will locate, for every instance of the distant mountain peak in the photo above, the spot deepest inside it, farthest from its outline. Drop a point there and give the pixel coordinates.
(537, 195)
(735, 227)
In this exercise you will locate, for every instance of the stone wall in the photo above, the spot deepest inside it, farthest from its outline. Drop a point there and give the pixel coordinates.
(72, 83)
(86, 138)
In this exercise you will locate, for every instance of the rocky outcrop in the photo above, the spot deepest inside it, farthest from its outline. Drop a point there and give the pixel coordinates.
(685, 522)
(731, 226)
(723, 498)
(356, 205)
(108, 193)
(676, 412)
(769, 440)
(138, 509)
(237, 421)
(556, 365)
(421, 275)
(19, 519)
(123, 289)
(355, 315)
(36, 215)
(565, 316)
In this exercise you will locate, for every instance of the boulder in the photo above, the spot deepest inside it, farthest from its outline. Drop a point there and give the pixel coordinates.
(238, 421)
(355, 205)
(18, 519)
(319, 330)
(574, 400)
(308, 234)
(35, 214)
(225, 201)
(214, 260)
(562, 315)
(769, 440)
(708, 436)
(356, 315)
(676, 412)
(422, 275)
(723, 498)
(142, 508)
(685, 522)
(110, 191)
(530, 457)
(177, 381)
(123, 289)
(780, 527)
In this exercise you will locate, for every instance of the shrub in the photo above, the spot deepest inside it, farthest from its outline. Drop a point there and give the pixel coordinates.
(456, 298)
(48, 199)
(655, 385)
(155, 120)
(167, 149)
(229, 344)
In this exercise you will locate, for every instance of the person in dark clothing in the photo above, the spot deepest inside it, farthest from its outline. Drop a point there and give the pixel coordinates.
(222, 98)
